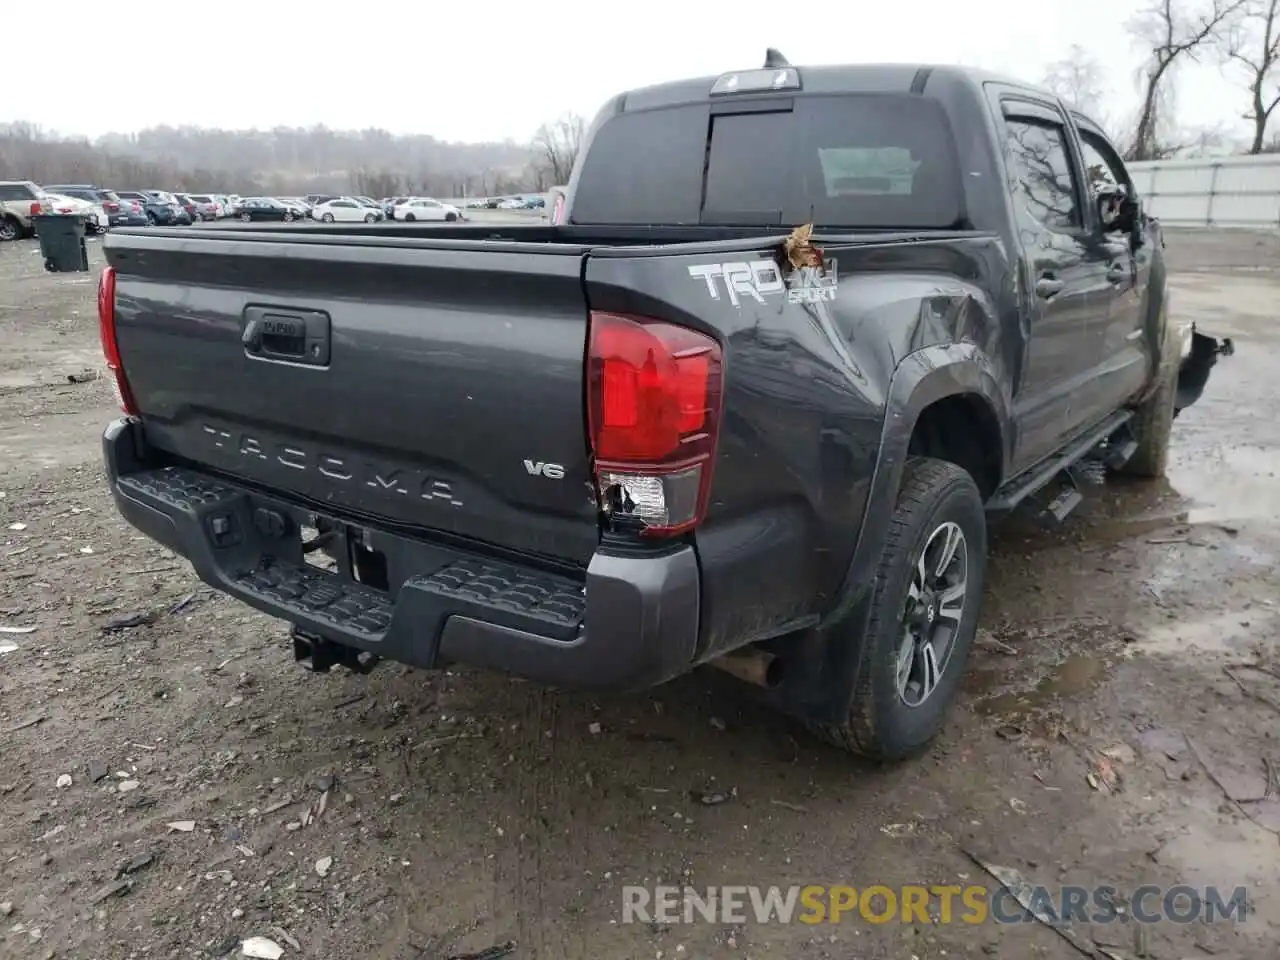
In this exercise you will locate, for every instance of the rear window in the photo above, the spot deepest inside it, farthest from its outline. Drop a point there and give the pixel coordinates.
(860, 161)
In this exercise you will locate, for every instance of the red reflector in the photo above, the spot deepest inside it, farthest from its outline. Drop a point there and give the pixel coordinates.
(36, 208)
(110, 342)
(654, 394)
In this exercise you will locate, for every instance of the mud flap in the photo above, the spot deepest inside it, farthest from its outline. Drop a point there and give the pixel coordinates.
(1195, 369)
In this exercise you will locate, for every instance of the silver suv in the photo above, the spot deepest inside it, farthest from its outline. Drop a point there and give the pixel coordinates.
(20, 200)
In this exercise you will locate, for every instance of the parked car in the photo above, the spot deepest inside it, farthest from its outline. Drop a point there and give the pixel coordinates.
(188, 206)
(234, 201)
(266, 208)
(182, 215)
(424, 208)
(205, 206)
(371, 204)
(345, 209)
(301, 209)
(314, 198)
(120, 213)
(767, 449)
(95, 217)
(158, 212)
(389, 206)
(20, 200)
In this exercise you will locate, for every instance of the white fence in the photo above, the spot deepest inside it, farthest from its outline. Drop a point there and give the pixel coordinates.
(1212, 192)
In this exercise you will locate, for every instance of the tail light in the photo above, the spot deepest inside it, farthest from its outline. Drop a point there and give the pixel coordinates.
(653, 406)
(110, 207)
(36, 208)
(110, 343)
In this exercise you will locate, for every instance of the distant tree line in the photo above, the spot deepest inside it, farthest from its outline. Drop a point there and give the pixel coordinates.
(1241, 37)
(288, 161)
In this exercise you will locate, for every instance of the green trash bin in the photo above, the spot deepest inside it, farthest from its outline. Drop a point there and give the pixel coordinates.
(62, 242)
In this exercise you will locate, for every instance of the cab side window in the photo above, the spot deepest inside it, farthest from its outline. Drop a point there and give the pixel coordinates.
(1045, 185)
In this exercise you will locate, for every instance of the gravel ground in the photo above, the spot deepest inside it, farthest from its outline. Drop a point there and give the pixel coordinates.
(173, 788)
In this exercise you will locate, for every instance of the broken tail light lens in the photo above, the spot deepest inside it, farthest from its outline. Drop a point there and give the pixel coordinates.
(110, 342)
(654, 398)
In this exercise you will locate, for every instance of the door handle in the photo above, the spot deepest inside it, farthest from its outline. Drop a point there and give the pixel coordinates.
(1048, 287)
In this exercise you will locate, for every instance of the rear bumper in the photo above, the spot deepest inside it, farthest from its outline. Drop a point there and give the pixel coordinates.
(630, 622)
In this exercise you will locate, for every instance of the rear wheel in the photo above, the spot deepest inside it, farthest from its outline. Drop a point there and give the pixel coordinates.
(370, 217)
(10, 229)
(327, 218)
(247, 218)
(924, 614)
(152, 221)
(450, 217)
(410, 217)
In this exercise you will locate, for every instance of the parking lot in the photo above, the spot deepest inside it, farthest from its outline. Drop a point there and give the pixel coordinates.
(1119, 725)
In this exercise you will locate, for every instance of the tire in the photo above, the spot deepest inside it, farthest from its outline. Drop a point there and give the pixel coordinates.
(288, 216)
(10, 229)
(370, 217)
(247, 218)
(450, 217)
(199, 217)
(1152, 424)
(935, 500)
(327, 218)
(409, 217)
(151, 220)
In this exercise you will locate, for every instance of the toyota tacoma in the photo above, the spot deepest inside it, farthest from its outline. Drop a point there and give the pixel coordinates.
(792, 336)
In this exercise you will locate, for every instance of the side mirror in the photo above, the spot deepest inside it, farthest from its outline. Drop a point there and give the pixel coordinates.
(1118, 212)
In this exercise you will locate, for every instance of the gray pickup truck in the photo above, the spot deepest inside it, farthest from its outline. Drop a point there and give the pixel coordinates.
(748, 401)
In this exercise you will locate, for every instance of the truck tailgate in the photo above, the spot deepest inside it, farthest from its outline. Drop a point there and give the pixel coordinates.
(438, 385)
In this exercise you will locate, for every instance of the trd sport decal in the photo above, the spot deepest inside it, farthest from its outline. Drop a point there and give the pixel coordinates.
(757, 279)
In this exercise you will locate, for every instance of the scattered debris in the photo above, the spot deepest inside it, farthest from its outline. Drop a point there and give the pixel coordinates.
(182, 604)
(6, 908)
(1161, 540)
(87, 376)
(181, 826)
(64, 781)
(17, 527)
(713, 798)
(233, 702)
(324, 782)
(1103, 776)
(987, 641)
(323, 865)
(789, 806)
(8, 647)
(492, 953)
(97, 770)
(136, 863)
(718, 724)
(1009, 731)
(129, 621)
(798, 248)
(898, 830)
(30, 629)
(26, 723)
(594, 727)
(1037, 907)
(1018, 805)
(117, 889)
(278, 805)
(127, 786)
(261, 948)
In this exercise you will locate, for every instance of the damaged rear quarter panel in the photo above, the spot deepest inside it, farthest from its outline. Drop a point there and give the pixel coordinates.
(807, 388)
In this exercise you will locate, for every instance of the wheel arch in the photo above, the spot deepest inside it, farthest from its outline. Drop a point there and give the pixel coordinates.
(930, 390)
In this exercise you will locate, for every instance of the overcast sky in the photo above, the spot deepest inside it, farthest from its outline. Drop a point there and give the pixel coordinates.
(495, 69)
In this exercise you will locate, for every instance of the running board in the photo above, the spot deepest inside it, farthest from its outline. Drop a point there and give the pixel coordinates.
(1018, 489)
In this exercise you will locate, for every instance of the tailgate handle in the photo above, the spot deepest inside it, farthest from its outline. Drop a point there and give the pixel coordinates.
(286, 336)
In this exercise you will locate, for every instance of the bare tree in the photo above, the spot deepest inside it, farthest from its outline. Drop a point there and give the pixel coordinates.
(556, 145)
(1078, 80)
(1253, 47)
(1170, 36)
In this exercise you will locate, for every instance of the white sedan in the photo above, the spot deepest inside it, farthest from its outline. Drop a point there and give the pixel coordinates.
(424, 208)
(95, 217)
(343, 209)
